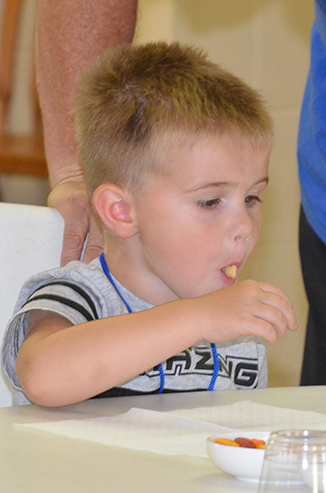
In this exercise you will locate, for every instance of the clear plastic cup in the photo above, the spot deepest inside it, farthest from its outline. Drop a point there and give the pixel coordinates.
(295, 461)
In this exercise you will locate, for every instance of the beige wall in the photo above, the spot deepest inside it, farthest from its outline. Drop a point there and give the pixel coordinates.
(266, 42)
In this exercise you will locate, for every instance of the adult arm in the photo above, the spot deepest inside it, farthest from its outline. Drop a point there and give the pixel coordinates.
(69, 35)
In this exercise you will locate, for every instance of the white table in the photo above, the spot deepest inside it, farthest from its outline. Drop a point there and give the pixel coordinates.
(37, 462)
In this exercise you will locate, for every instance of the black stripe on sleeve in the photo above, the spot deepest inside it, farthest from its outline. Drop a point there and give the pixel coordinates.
(65, 301)
(78, 290)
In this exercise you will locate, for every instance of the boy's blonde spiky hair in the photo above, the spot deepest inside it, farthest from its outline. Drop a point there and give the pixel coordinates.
(133, 95)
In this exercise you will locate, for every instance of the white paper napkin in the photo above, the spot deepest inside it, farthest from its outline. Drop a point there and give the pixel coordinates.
(252, 416)
(181, 432)
(140, 429)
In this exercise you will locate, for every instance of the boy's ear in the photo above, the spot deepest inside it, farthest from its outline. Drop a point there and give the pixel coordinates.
(113, 205)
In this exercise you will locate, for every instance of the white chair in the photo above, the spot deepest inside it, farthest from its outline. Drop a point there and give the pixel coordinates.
(30, 241)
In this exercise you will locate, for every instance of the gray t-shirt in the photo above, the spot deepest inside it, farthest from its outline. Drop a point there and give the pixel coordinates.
(82, 292)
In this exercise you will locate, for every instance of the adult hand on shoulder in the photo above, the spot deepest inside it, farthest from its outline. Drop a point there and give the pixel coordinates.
(70, 198)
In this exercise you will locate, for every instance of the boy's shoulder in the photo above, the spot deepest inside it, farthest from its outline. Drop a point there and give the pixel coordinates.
(89, 278)
(75, 271)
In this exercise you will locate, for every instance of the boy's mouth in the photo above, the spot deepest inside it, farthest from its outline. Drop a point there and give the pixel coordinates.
(231, 271)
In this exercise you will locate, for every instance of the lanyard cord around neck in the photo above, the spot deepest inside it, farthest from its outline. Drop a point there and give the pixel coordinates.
(159, 366)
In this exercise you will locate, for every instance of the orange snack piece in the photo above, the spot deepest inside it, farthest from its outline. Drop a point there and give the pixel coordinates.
(261, 444)
(226, 441)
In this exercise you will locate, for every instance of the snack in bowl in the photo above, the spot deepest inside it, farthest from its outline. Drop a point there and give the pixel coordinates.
(239, 459)
(242, 442)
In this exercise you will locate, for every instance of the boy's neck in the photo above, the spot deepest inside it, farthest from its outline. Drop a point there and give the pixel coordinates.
(127, 266)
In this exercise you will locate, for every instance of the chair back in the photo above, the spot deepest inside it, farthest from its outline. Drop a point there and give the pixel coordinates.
(30, 241)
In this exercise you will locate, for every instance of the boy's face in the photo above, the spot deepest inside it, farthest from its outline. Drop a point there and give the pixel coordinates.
(201, 216)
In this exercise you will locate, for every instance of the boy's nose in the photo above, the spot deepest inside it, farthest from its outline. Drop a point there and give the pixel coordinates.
(246, 238)
(243, 228)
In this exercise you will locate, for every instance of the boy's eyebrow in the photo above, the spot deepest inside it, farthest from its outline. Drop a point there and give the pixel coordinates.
(217, 184)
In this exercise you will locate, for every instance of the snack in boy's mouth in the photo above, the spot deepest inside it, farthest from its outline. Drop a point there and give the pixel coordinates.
(231, 271)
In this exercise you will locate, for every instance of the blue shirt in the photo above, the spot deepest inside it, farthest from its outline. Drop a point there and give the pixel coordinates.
(312, 129)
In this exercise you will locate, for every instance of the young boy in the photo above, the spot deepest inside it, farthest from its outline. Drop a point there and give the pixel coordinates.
(175, 153)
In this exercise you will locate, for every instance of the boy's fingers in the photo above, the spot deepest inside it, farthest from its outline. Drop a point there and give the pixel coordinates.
(277, 320)
(277, 291)
(263, 328)
(276, 299)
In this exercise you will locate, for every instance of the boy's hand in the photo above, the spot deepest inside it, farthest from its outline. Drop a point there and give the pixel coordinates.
(249, 308)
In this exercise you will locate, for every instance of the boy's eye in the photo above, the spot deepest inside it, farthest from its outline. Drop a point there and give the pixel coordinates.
(251, 199)
(208, 204)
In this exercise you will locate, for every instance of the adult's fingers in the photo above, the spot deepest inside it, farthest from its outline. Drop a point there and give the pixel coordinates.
(71, 200)
(95, 241)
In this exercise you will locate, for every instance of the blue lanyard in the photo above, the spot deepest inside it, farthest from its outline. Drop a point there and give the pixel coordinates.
(160, 367)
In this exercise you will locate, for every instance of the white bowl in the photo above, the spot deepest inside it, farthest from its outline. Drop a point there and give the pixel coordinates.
(244, 463)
